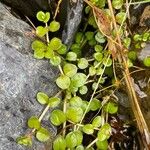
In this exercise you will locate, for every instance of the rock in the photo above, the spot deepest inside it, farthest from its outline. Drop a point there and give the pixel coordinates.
(145, 52)
(21, 77)
(28, 7)
(74, 15)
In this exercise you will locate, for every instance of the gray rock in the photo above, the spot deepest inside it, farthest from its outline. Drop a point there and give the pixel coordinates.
(74, 15)
(21, 77)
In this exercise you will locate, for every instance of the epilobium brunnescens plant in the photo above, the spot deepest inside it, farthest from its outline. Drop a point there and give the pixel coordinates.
(83, 110)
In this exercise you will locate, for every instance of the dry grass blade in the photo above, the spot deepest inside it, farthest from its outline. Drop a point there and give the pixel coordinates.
(117, 50)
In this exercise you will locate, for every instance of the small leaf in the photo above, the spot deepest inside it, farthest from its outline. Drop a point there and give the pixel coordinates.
(42, 135)
(80, 147)
(97, 122)
(107, 62)
(57, 117)
(78, 79)
(43, 17)
(62, 50)
(117, 4)
(83, 90)
(55, 43)
(59, 143)
(102, 145)
(71, 140)
(98, 48)
(54, 102)
(71, 56)
(79, 136)
(132, 55)
(95, 104)
(33, 122)
(146, 61)
(55, 61)
(49, 53)
(75, 101)
(104, 132)
(89, 35)
(24, 140)
(54, 26)
(74, 114)
(70, 69)
(88, 129)
(98, 56)
(121, 17)
(79, 37)
(63, 82)
(39, 54)
(83, 63)
(42, 98)
(41, 31)
(38, 46)
(92, 71)
(100, 38)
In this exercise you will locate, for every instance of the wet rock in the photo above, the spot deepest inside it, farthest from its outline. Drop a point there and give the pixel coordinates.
(74, 14)
(21, 77)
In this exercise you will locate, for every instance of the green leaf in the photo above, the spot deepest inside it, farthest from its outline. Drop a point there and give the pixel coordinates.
(95, 104)
(80, 147)
(72, 88)
(102, 145)
(57, 117)
(42, 98)
(132, 55)
(117, 4)
(38, 46)
(49, 53)
(146, 36)
(42, 135)
(54, 102)
(98, 48)
(71, 140)
(39, 54)
(104, 132)
(63, 82)
(100, 38)
(98, 56)
(83, 63)
(71, 56)
(78, 79)
(33, 122)
(70, 69)
(79, 136)
(127, 42)
(41, 31)
(146, 61)
(121, 17)
(55, 43)
(55, 61)
(97, 122)
(62, 50)
(89, 35)
(92, 42)
(83, 90)
(79, 37)
(74, 114)
(54, 26)
(107, 62)
(24, 140)
(43, 17)
(137, 37)
(59, 143)
(92, 71)
(84, 105)
(88, 129)
(99, 71)
(75, 101)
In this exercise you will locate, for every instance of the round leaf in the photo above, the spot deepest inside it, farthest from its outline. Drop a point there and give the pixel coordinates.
(78, 79)
(83, 63)
(83, 90)
(38, 46)
(98, 56)
(42, 98)
(59, 143)
(54, 102)
(147, 61)
(111, 107)
(102, 145)
(97, 121)
(92, 71)
(24, 140)
(62, 50)
(71, 56)
(43, 17)
(33, 122)
(74, 114)
(41, 31)
(95, 104)
(42, 135)
(57, 117)
(55, 43)
(55, 61)
(63, 82)
(54, 26)
(88, 129)
(75, 101)
(100, 38)
(117, 4)
(70, 69)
